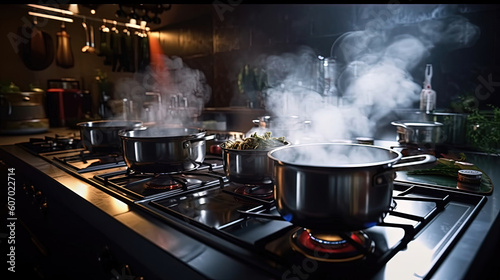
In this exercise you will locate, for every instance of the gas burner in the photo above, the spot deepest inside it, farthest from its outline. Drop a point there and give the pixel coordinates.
(264, 191)
(163, 182)
(332, 247)
(54, 143)
(86, 161)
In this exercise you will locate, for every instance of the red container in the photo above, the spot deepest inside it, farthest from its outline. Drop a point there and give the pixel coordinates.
(65, 107)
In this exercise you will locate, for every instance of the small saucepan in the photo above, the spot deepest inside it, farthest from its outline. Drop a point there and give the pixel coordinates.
(102, 136)
(249, 166)
(164, 149)
(419, 132)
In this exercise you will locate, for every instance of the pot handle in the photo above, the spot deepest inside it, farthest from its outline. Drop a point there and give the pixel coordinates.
(206, 138)
(396, 123)
(9, 104)
(209, 137)
(409, 161)
(256, 123)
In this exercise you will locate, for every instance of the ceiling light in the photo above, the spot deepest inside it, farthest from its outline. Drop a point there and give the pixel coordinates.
(50, 16)
(51, 9)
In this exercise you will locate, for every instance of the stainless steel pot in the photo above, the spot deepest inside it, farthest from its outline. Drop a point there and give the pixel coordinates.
(213, 146)
(102, 136)
(247, 166)
(336, 186)
(164, 149)
(419, 132)
(22, 105)
(454, 126)
(23, 113)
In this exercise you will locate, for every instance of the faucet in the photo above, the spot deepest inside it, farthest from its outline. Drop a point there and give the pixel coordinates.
(158, 96)
(154, 93)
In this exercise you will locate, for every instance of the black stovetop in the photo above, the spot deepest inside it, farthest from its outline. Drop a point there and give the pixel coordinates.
(424, 222)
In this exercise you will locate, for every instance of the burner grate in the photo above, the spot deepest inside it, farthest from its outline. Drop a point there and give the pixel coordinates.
(50, 144)
(87, 161)
(139, 186)
(418, 215)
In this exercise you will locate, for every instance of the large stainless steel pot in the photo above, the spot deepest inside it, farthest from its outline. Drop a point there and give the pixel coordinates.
(419, 132)
(164, 149)
(247, 166)
(23, 112)
(102, 136)
(336, 186)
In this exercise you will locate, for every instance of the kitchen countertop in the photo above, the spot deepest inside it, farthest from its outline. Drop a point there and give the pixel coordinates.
(9, 139)
(474, 251)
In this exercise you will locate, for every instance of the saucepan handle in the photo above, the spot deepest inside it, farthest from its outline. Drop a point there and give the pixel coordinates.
(396, 123)
(209, 137)
(414, 160)
(206, 138)
(9, 112)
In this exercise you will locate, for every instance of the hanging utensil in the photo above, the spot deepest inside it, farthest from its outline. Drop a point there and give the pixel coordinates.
(115, 44)
(126, 55)
(105, 45)
(89, 36)
(92, 44)
(64, 54)
(38, 52)
(143, 55)
(87, 41)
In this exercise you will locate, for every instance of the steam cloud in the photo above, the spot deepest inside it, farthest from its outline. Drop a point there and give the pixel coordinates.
(177, 93)
(372, 73)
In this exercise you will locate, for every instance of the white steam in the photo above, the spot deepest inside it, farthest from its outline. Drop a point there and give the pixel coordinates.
(169, 92)
(373, 75)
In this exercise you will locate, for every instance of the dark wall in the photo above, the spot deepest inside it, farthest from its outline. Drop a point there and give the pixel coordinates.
(228, 36)
(247, 34)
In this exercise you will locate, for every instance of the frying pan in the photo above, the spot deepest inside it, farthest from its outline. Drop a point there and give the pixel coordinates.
(38, 52)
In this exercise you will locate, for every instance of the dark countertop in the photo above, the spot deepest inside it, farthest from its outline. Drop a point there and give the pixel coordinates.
(10, 139)
(477, 250)
(472, 253)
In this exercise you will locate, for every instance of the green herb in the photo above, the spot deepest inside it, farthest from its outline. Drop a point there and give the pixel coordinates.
(483, 130)
(256, 142)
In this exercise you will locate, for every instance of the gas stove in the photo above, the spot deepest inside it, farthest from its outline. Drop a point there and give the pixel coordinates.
(424, 222)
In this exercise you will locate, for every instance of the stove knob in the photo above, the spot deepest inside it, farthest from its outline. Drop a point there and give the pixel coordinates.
(29, 189)
(38, 196)
(118, 271)
(44, 207)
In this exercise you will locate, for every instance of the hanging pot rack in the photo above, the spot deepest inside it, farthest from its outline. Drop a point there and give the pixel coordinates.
(68, 16)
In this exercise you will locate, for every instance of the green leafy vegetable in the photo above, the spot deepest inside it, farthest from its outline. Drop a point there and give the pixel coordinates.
(484, 130)
(256, 142)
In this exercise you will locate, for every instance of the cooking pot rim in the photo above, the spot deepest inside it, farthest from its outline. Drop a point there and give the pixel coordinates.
(112, 124)
(125, 134)
(416, 123)
(383, 163)
(252, 151)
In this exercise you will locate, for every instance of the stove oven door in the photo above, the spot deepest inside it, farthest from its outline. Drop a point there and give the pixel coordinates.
(50, 241)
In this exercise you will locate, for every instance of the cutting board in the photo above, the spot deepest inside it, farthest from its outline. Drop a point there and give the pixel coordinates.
(485, 188)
